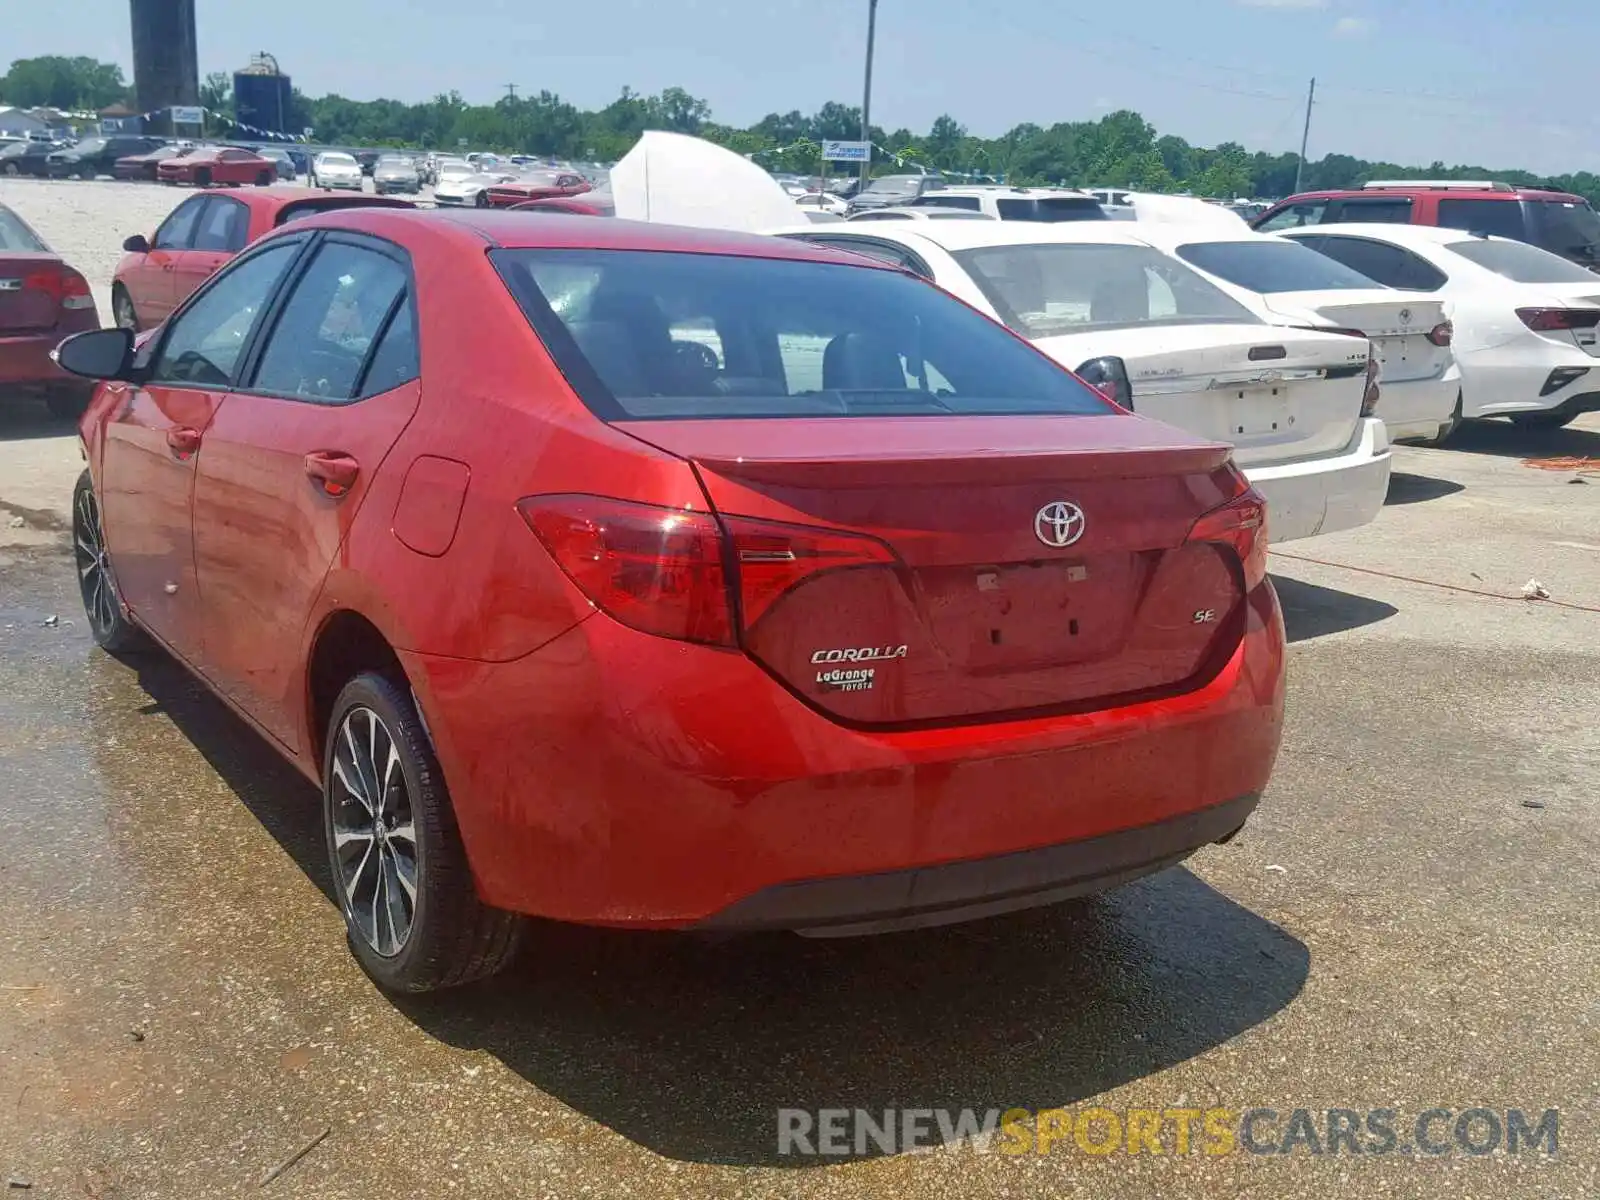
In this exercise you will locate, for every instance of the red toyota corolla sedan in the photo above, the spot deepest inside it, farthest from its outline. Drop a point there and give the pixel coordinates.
(158, 272)
(652, 577)
(210, 165)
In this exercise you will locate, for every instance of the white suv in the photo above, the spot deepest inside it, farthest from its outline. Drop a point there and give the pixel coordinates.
(1016, 203)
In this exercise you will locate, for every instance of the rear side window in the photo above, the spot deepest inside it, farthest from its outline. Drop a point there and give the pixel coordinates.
(1272, 266)
(1388, 265)
(1388, 210)
(1501, 217)
(223, 226)
(341, 305)
(643, 335)
(1522, 263)
(1052, 209)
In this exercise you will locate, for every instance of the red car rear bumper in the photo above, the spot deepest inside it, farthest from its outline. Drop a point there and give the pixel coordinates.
(617, 778)
(25, 358)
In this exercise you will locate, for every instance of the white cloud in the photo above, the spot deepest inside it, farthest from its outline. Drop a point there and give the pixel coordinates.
(1283, 3)
(1353, 27)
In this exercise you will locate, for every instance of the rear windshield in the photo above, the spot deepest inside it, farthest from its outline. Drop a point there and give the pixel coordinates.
(1052, 208)
(1522, 263)
(894, 185)
(657, 335)
(1270, 267)
(1047, 290)
(321, 204)
(16, 236)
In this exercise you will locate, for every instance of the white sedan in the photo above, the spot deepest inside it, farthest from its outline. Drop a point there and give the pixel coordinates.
(1289, 284)
(1525, 320)
(1097, 297)
(333, 169)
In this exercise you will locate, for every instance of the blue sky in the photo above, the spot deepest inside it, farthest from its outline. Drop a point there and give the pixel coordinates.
(1403, 80)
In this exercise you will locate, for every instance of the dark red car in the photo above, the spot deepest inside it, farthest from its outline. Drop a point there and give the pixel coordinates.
(42, 300)
(666, 578)
(145, 166)
(536, 185)
(1559, 222)
(208, 166)
(158, 272)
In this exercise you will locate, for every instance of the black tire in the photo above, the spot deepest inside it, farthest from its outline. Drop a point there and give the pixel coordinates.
(122, 311)
(1543, 420)
(452, 937)
(481, 200)
(87, 172)
(263, 178)
(12, 169)
(97, 584)
(202, 177)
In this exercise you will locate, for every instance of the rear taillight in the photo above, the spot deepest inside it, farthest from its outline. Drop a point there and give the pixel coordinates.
(62, 284)
(1442, 334)
(1241, 523)
(1547, 320)
(1369, 396)
(679, 574)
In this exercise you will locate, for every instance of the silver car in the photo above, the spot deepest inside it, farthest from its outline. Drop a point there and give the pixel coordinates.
(396, 173)
(336, 169)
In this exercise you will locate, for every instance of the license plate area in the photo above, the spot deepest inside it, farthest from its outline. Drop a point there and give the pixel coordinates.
(1259, 412)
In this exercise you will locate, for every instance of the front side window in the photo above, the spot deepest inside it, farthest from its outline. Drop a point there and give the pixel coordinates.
(1522, 263)
(204, 342)
(1308, 212)
(339, 307)
(177, 230)
(223, 226)
(1051, 289)
(1271, 266)
(659, 335)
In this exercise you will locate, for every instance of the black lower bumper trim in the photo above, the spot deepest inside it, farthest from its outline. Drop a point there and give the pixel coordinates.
(920, 896)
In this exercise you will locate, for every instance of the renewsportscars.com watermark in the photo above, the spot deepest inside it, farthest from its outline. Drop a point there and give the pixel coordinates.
(1102, 1132)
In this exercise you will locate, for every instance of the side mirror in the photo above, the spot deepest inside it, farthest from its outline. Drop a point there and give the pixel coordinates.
(1109, 377)
(137, 244)
(97, 354)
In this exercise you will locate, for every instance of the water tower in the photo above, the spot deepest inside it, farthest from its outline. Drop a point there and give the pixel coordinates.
(166, 64)
(262, 95)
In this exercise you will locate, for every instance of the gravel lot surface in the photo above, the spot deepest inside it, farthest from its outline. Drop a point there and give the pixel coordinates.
(1409, 922)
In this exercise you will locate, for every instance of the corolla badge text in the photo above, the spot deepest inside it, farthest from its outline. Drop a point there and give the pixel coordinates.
(865, 654)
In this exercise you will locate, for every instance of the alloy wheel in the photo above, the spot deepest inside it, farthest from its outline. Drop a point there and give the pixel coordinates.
(94, 567)
(374, 832)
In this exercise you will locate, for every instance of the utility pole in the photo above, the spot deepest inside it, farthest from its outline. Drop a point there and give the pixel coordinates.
(511, 91)
(866, 93)
(1305, 136)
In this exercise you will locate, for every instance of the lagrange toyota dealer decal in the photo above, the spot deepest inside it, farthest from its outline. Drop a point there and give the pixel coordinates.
(854, 678)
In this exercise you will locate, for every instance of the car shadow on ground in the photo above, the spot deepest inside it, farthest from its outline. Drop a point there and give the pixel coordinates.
(1506, 440)
(23, 417)
(1310, 610)
(689, 1047)
(1405, 488)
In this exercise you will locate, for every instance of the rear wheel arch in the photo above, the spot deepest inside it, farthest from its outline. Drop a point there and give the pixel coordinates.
(346, 645)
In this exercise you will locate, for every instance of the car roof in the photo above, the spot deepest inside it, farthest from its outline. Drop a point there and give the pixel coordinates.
(276, 198)
(1454, 193)
(1007, 191)
(509, 230)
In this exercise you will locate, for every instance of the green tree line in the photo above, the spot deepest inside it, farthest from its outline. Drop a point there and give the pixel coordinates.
(1120, 149)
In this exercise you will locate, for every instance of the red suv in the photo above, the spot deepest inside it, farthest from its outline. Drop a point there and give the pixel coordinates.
(1559, 222)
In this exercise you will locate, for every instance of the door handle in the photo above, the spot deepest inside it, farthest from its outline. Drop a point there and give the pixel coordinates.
(183, 441)
(336, 472)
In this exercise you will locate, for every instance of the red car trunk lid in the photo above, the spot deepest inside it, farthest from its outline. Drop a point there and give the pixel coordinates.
(30, 292)
(1038, 563)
